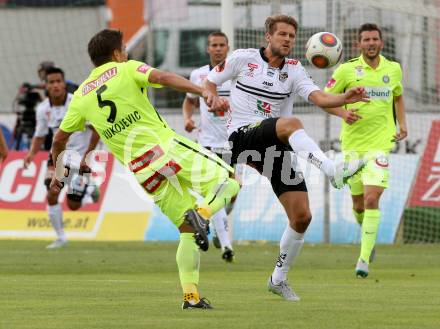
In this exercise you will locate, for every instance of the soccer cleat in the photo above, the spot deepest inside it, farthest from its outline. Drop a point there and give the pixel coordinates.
(372, 255)
(58, 243)
(216, 241)
(361, 269)
(228, 255)
(344, 170)
(203, 304)
(282, 289)
(200, 226)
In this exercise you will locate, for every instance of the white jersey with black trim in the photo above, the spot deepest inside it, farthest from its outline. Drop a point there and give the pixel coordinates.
(49, 116)
(259, 91)
(212, 128)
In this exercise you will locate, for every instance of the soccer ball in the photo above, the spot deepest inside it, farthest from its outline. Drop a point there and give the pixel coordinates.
(323, 50)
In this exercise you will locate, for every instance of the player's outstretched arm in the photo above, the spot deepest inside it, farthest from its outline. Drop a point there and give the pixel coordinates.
(328, 100)
(58, 146)
(174, 81)
(35, 147)
(401, 118)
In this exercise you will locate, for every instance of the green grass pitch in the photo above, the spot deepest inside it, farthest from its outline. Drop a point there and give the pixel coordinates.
(135, 285)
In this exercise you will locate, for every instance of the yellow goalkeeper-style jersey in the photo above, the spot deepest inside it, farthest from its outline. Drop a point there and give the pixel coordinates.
(377, 127)
(114, 100)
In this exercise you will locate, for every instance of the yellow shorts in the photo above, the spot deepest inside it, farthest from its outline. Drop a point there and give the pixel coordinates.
(171, 176)
(375, 173)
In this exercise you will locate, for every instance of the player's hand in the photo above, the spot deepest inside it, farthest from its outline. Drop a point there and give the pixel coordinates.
(356, 94)
(56, 185)
(220, 104)
(190, 125)
(350, 116)
(27, 160)
(83, 167)
(403, 132)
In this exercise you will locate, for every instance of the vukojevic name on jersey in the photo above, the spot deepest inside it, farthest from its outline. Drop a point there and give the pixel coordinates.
(49, 117)
(212, 129)
(114, 100)
(259, 91)
(376, 129)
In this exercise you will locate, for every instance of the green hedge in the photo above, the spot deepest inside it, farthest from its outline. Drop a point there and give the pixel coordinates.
(421, 225)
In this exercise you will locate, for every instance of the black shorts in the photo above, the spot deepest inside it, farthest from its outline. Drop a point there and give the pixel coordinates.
(258, 146)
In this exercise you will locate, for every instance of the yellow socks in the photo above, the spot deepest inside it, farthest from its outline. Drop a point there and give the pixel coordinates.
(370, 226)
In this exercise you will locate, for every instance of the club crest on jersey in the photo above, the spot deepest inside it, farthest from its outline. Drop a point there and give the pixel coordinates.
(359, 71)
(386, 78)
(252, 67)
(264, 108)
(283, 76)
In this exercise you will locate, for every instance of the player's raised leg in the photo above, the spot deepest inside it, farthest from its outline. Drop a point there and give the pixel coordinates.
(291, 132)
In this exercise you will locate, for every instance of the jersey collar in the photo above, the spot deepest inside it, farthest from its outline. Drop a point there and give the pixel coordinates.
(64, 102)
(365, 65)
(263, 56)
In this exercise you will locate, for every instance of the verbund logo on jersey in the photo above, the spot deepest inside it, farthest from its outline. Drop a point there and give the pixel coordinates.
(25, 190)
(378, 93)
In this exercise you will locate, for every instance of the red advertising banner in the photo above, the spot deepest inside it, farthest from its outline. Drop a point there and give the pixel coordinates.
(24, 189)
(426, 191)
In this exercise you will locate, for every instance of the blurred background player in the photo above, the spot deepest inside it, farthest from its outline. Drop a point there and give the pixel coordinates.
(263, 132)
(114, 100)
(3, 147)
(374, 136)
(49, 115)
(212, 133)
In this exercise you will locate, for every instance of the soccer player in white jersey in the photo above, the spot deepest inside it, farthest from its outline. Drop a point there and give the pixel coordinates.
(212, 133)
(263, 132)
(49, 115)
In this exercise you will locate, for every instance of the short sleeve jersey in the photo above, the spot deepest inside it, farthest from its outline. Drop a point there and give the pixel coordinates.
(375, 131)
(114, 100)
(49, 117)
(259, 91)
(212, 129)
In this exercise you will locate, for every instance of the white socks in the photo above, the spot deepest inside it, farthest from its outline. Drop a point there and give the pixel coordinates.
(220, 220)
(306, 148)
(56, 218)
(290, 245)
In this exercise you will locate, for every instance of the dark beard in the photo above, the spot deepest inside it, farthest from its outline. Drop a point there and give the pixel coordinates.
(277, 53)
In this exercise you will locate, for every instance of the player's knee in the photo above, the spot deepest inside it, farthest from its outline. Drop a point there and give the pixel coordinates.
(286, 127)
(73, 205)
(302, 220)
(358, 208)
(371, 201)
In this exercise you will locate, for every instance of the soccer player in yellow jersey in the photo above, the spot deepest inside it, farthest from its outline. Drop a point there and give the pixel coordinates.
(373, 136)
(114, 100)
